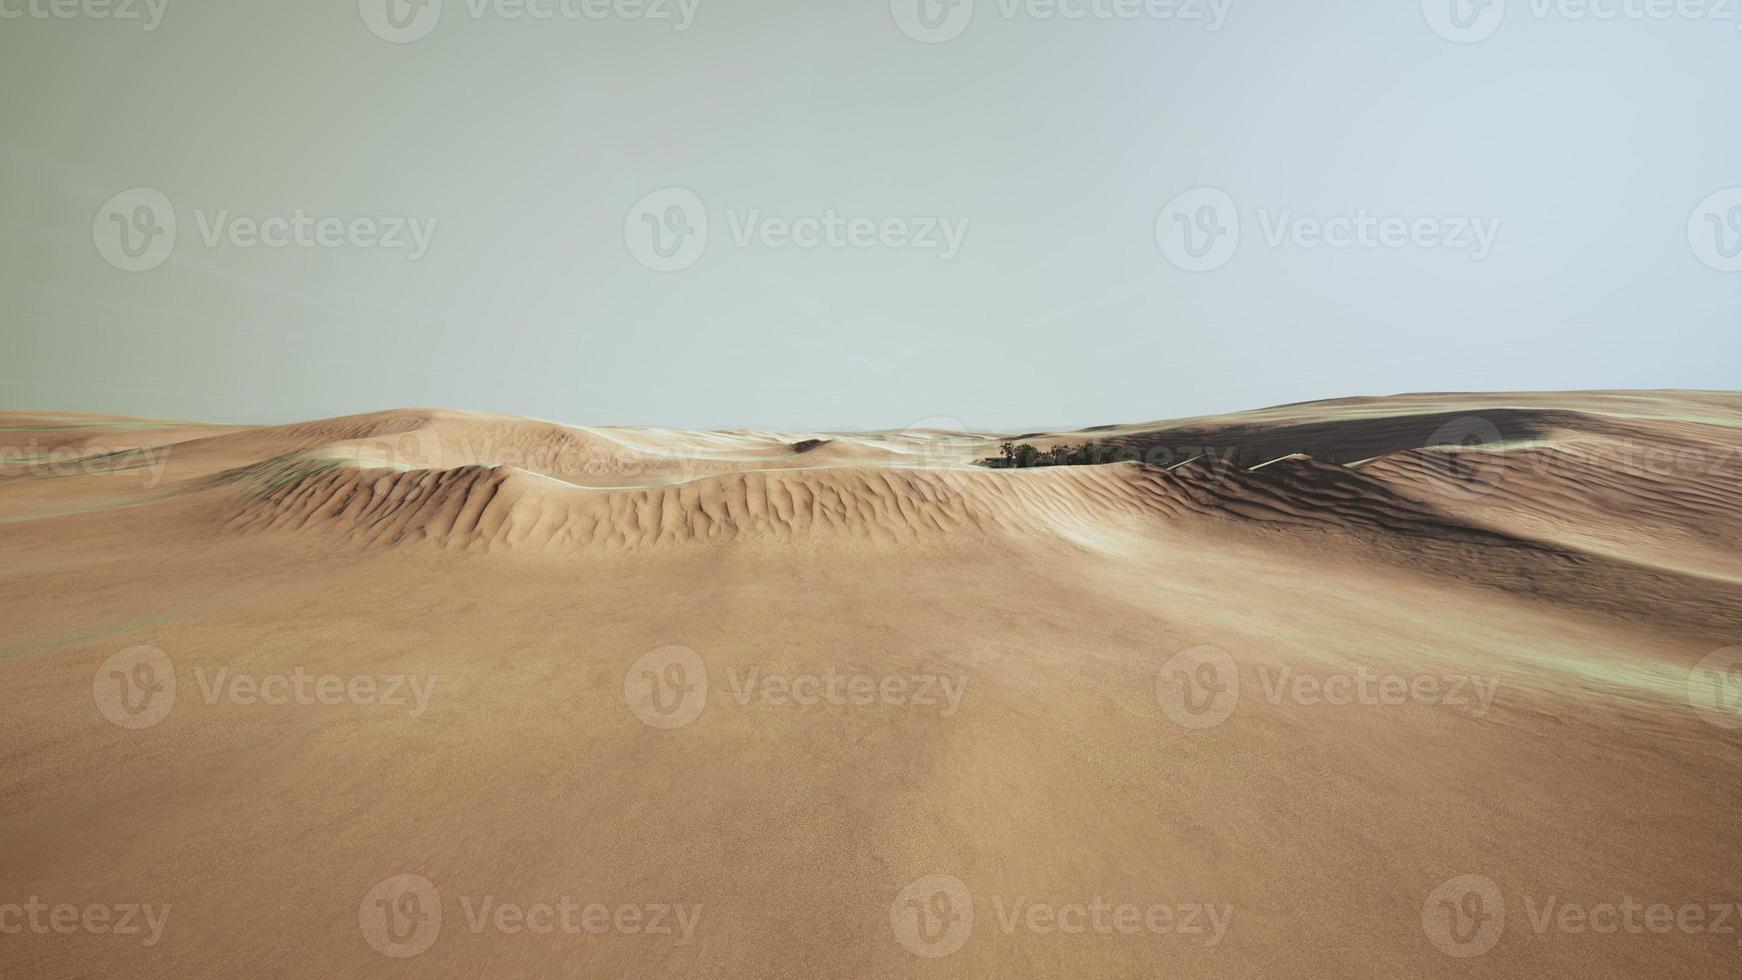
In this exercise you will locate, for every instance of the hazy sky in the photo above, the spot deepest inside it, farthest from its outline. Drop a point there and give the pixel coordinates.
(1000, 211)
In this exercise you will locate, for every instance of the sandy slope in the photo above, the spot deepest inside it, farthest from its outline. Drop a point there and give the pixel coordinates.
(1015, 658)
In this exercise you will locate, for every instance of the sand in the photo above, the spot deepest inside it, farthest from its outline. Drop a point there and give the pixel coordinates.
(1306, 691)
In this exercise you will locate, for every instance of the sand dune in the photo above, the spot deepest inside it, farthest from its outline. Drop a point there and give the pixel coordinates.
(1570, 563)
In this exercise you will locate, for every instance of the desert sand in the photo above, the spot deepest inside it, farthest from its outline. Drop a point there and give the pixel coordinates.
(1428, 685)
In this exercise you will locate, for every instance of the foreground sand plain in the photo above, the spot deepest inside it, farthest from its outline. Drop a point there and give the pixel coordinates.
(1290, 696)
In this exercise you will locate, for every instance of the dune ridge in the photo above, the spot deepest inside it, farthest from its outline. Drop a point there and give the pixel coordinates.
(1538, 476)
(1528, 518)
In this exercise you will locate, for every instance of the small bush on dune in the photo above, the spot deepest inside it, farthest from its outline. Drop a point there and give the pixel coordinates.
(1024, 455)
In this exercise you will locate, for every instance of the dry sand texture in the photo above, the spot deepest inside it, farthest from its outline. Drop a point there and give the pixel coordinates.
(1434, 685)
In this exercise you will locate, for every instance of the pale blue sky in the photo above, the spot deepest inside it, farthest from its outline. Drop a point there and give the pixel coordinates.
(528, 143)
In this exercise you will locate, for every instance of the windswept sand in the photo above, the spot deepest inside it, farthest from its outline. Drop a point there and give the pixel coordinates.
(1087, 705)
